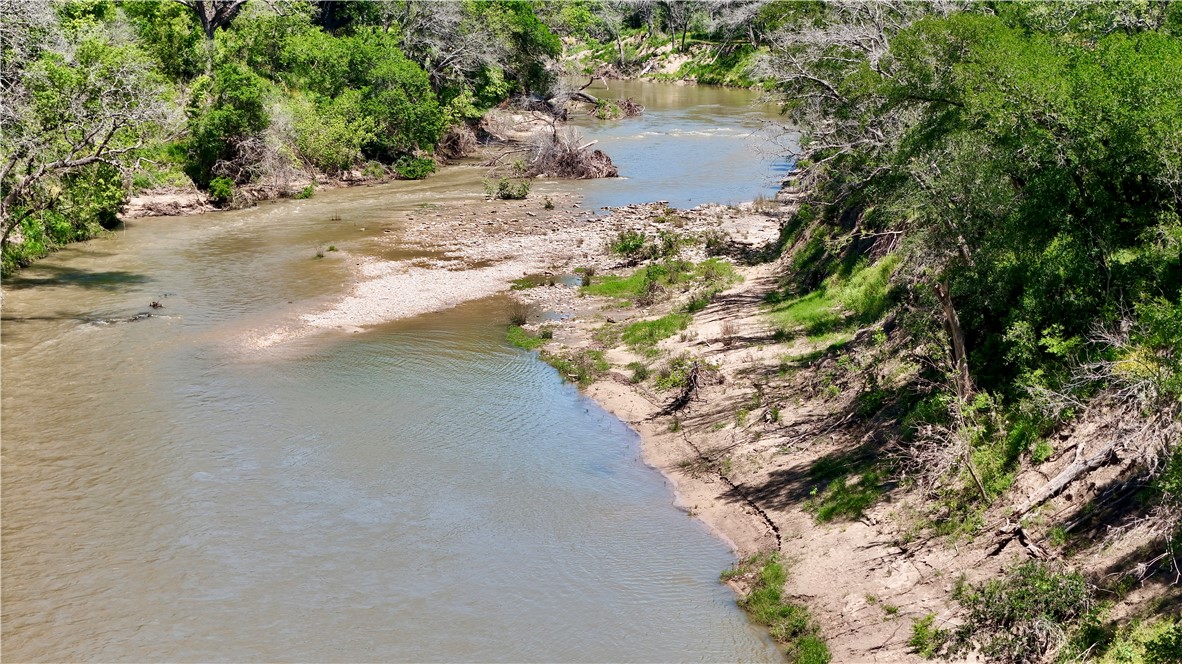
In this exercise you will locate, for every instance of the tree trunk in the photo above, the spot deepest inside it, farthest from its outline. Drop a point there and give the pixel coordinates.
(960, 360)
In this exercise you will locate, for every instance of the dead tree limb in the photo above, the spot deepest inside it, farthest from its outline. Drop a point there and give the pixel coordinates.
(1068, 475)
(693, 381)
(1012, 531)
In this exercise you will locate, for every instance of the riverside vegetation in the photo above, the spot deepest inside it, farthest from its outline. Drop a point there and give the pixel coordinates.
(968, 343)
(965, 346)
(243, 100)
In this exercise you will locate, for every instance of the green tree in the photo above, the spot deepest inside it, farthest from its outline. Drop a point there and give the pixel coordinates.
(224, 114)
(68, 112)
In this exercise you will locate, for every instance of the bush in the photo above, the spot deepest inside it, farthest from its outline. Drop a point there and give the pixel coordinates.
(221, 190)
(305, 193)
(628, 243)
(507, 189)
(415, 168)
(331, 136)
(223, 113)
(1022, 617)
(926, 640)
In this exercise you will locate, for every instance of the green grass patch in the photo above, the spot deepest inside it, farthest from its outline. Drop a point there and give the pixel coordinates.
(858, 299)
(644, 335)
(847, 497)
(815, 313)
(519, 337)
(786, 622)
(720, 65)
(581, 367)
(710, 276)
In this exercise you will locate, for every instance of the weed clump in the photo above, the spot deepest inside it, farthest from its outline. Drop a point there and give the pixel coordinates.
(507, 189)
(582, 367)
(1019, 619)
(639, 371)
(518, 312)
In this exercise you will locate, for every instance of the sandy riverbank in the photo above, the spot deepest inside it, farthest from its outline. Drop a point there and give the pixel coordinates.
(745, 476)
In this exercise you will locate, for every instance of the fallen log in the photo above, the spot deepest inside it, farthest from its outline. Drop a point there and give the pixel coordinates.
(583, 96)
(1068, 475)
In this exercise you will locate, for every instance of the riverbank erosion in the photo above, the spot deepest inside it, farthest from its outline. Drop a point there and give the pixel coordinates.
(780, 433)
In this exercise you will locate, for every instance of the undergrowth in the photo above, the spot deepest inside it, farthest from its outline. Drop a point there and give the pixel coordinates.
(860, 298)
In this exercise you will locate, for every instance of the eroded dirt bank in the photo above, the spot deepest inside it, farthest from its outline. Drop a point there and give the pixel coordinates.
(755, 424)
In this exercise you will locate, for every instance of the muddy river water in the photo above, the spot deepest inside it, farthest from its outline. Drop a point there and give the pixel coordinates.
(417, 491)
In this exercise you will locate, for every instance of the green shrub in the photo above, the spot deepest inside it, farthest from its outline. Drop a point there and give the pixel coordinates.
(414, 168)
(927, 640)
(507, 189)
(331, 136)
(305, 193)
(628, 243)
(221, 191)
(676, 372)
(1022, 616)
(222, 113)
(1165, 647)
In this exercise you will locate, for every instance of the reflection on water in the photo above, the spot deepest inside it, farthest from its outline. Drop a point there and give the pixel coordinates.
(420, 491)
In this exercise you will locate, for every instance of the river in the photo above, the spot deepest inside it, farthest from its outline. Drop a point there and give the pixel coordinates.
(418, 491)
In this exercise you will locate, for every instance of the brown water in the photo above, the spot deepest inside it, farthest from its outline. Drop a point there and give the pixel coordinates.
(419, 491)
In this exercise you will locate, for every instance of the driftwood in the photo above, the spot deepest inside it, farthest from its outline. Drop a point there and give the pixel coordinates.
(1011, 531)
(1068, 475)
(693, 381)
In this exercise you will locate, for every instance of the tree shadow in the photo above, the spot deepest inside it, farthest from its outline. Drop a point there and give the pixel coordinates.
(53, 275)
(792, 486)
